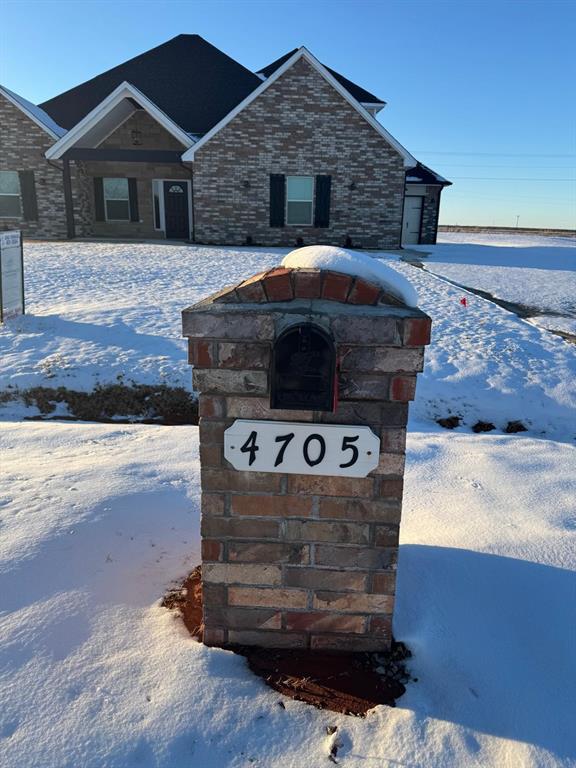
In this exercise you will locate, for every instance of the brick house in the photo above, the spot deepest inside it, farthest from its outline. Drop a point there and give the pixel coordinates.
(183, 142)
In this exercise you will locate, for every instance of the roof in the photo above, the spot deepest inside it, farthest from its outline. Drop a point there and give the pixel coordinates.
(360, 94)
(36, 114)
(189, 79)
(108, 115)
(421, 174)
(303, 53)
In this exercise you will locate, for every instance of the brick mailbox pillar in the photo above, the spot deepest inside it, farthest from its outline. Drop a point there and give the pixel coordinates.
(300, 519)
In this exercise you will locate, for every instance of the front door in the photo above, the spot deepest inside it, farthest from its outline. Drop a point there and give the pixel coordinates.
(176, 210)
(411, 221)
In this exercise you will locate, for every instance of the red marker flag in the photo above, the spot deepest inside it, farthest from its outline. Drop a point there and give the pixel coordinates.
(463, 301)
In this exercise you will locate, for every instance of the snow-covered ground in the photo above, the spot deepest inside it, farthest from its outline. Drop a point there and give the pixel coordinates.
(94, 674)
(534, 271)
(98, 521)
(102, 312)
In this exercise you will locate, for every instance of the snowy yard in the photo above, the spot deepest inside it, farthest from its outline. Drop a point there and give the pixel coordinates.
(98, 521)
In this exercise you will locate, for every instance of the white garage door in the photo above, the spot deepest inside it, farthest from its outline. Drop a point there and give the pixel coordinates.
(412, 219)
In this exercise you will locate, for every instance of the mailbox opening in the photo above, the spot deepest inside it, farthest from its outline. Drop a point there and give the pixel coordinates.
(303, 369)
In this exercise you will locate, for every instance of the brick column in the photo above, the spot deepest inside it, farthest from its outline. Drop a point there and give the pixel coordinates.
(301, 560)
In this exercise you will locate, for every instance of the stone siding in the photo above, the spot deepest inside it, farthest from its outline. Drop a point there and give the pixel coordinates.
(299, 126)
(289, 560)
(430, 207)
(22, 148)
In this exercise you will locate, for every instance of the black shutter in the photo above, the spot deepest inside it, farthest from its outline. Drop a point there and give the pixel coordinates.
(99, 214)
(28, 195)
(277, 199)
(133, 199)
(322, 206)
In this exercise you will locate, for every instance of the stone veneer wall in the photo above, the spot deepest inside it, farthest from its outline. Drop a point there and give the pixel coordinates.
(22, 148)
(302, 560)
(299, 126)
(430, 207)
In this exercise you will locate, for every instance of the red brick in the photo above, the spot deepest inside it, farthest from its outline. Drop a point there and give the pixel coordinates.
(339, 532)
(212, 504)
(344, 602)
(403, 388)
(417, 332)
(214, 636)
(213, 431)
(325, 622)
(331, 486)
(211, 550)
(252, 290)
(267, 598)
(335, 286)
(355, 557)
(244, 618)
(278, 285)
(386, 536)
(352, 643)
(364, 293)
(211, 455)
(273, 639)
(391, 488)
(211, 407)
(214, 594)
(307, 283)
(239, 528)
(325, 578)
(381, 626)
(243, 355)
(233, 480)
(381, 511)
(268, 552)
(201, 353)
(384, 583)
(271, 506)
(392, 440)
(240, 573)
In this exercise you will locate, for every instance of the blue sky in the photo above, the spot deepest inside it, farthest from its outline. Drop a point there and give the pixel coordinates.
(484, 92)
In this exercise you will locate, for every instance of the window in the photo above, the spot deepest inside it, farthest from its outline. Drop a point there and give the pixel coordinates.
(299, 199)
(116, 199)
(10, 205)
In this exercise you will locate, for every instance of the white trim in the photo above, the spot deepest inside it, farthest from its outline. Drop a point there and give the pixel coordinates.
(124, 91)
(303, 53)
(31, 111)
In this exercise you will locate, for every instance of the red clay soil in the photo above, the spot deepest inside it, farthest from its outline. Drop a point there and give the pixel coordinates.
(350, 683)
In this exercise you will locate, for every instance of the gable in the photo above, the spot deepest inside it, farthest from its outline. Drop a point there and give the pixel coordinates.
(32, 113)
(305, 69)
(19, 131)
(141, 131)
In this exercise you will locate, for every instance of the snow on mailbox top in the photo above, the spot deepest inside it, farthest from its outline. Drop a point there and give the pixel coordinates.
(356, 264)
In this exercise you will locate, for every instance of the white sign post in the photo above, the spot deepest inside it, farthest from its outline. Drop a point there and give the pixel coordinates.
(303, 449)
(11, 275)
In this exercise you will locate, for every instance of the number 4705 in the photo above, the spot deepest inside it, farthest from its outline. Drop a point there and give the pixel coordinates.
(313, 449)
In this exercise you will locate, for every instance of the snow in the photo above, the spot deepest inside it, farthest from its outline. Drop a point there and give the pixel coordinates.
(102, 312)
(94, 673)
(535, 271)
(98, 521)
(353, 263)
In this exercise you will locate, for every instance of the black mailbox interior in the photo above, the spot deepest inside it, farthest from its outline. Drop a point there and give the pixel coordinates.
(303, 369)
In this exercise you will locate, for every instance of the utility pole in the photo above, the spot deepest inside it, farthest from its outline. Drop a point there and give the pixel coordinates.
(517, 217)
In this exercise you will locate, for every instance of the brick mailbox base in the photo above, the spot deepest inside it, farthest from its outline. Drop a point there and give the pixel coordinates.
(290, 560)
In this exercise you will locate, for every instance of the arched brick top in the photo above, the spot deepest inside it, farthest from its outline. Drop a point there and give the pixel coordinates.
(282, 284)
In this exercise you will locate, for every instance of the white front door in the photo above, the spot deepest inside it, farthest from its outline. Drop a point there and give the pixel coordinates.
(411, 221)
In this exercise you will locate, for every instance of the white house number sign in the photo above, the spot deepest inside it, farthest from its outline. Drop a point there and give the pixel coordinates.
(303, 449)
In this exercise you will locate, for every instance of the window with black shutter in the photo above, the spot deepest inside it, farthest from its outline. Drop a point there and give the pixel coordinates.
(277, 199)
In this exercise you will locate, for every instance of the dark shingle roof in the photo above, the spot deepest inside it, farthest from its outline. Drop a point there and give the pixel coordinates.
(191, 81)
(421, 174)
(360, 94)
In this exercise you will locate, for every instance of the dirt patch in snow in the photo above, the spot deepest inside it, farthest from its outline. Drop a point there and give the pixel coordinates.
(349, 683)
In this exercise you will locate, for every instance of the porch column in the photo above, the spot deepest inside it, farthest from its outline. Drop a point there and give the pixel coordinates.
(68, 201)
